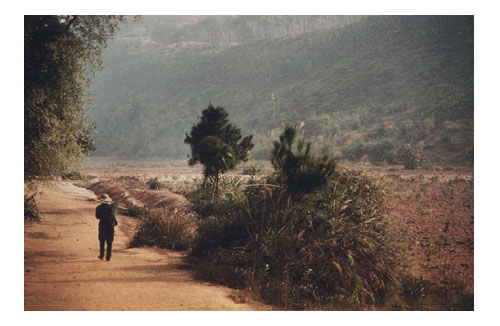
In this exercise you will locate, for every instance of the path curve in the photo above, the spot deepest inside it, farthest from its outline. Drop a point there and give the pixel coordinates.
(62, 272)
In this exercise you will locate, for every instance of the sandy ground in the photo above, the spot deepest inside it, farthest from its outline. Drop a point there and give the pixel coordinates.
(62, 271)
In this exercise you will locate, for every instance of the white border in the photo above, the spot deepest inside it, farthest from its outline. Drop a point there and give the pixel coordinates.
(486, 156)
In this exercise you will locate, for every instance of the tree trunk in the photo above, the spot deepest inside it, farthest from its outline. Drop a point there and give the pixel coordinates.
(203, 186)
(216, 186)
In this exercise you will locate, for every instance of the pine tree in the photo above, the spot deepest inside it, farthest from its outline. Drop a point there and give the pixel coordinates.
(299, 170)
(217, 144)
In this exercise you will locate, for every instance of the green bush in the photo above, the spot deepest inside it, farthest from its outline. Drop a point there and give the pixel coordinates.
(305, 235)
(136, 211)
(378, 151)
(168, 228)
(202, 202)
(296, 167)
(155, 184)
(333, 246)
(31, 211)
(74, 175)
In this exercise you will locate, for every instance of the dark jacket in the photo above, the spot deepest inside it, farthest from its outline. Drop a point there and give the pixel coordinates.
(105, 213)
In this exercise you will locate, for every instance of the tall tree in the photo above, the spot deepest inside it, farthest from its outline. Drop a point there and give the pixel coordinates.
(60, 52)
(216, 143)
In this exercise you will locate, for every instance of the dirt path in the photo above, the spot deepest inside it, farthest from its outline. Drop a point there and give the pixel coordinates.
(62, 272)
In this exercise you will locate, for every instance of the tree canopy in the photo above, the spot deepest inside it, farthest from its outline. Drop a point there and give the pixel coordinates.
(216, 143)
(60, 52)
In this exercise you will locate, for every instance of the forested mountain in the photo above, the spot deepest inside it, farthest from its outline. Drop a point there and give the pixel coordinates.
(361, 85)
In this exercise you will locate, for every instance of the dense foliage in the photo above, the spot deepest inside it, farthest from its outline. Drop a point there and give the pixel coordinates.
(59, 53)
(31, 210)
(329, 246)
(301, 171)
(216, 143)
(362, 88)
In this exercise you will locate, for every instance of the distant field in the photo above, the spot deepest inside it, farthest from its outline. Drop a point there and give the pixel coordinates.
(163, 169)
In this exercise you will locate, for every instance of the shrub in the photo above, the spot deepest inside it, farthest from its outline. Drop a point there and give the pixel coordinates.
(412, 130)
(155, 184)
(449, 294)
(253, 169)
(413, 291)
(167, 228)
(354, 150)
(297, 168)
(378, 150)
(74, 175)
(137, 211)
(31, 211)
(329, 247)
(411, 156)
(305, 235)
(229, 194)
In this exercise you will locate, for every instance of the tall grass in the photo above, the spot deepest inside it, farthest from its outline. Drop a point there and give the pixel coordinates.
(204, 204)
(165, 228)
(332, 246)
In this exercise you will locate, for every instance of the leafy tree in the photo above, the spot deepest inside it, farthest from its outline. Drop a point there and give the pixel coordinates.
(59, 53)
(217, 144)
(300, 171)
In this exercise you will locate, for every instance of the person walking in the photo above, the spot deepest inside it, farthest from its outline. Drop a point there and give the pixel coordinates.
(105, 213)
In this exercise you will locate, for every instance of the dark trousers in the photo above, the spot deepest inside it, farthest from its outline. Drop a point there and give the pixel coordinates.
(108, 238)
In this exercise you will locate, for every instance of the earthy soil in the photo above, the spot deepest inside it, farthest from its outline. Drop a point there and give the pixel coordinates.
(434, 213)
(62, 271)
(131, 191)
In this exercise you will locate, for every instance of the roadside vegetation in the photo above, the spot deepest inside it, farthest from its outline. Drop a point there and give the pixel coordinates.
(155, 184)
(308, 235)
(164, 228)
(303, 237)
(60, 54)
(31, 211)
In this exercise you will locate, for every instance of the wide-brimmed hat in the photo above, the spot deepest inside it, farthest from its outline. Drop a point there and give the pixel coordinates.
(105, 198)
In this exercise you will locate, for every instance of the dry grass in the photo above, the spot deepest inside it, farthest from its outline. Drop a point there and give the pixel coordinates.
(329, 247)
(165, 228)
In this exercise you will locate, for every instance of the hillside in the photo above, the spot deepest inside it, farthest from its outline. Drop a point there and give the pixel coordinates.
(361, 86)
